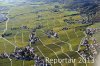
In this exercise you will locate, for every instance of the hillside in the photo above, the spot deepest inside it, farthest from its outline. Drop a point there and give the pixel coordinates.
(48, 33)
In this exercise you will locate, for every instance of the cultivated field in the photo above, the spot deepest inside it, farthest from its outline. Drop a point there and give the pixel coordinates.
(34, 14)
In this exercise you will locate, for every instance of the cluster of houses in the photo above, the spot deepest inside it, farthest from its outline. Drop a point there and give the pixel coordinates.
(51, 33)
(86, 53)
(33, 39)
(20, 53)
(91, 50)
(27, 53)
(90, 31)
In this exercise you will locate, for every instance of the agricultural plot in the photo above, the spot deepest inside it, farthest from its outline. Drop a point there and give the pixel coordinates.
(23, 19)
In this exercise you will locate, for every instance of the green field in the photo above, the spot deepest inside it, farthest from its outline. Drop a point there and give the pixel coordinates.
(27, 14)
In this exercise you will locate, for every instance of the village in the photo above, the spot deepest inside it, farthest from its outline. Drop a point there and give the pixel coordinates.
(32, 32)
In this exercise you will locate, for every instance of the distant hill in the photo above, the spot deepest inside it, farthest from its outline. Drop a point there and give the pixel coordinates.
(11, 1)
